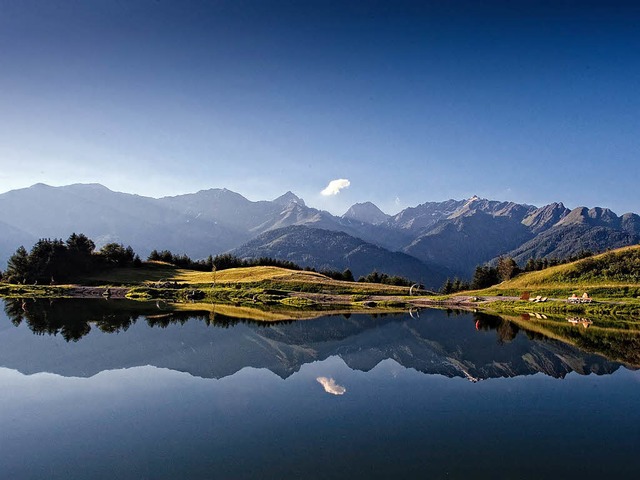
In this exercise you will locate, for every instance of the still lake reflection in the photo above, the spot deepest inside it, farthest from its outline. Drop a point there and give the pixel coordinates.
(106, 390)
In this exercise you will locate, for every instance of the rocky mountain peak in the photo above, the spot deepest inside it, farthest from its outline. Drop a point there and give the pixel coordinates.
(603, 215)
(366, 212)
(289, 198)
(594, 217)
(545, 217)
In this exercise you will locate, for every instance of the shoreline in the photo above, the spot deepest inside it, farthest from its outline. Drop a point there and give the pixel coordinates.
(300, 301)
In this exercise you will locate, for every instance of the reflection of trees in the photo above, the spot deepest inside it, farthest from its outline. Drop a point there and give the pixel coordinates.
(14, 310)
(166, 319)
(115, 324)
(74, 330)
(43, 320)
(505, 329)
(72, 318)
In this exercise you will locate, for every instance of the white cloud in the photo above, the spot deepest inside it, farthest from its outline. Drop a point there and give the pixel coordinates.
(335, 186)
(330, 386)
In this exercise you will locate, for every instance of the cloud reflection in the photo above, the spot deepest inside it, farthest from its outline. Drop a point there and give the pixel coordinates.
(330, 386)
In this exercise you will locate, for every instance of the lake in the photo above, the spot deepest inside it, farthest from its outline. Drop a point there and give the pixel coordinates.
(108, 389)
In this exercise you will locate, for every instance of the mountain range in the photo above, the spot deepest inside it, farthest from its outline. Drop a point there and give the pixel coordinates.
(426, 243)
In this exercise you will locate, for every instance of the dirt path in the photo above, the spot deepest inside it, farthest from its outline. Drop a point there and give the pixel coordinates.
(96, 292)
(417, 301)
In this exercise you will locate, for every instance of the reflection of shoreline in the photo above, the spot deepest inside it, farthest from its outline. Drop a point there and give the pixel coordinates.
(330, 386)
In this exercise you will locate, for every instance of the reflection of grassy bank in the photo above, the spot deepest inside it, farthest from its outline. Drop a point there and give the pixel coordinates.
(629, 309)
(40, 291)
(614, 339)
(272, 314)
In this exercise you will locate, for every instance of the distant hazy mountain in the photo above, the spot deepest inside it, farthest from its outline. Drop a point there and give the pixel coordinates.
(417, 220)
(366, 212)
(249, 218)
(106, 216)
(10, 239)
(581, 229)
(223, 207)
(463, 234)
(457, 234)
(324, 249)
(466, 241)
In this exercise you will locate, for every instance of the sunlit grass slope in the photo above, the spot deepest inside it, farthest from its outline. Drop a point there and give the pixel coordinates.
(274, 277)
(615, 273)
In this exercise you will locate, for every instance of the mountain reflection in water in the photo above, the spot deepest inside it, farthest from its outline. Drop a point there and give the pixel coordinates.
(454, 344)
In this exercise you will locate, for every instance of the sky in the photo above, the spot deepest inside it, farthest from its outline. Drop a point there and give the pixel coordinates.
(398, 103)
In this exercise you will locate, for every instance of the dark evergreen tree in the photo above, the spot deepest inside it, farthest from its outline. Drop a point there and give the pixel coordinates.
(347, 276)
(116, 254)
(79, 253)
(48, 261)
(484, 276)
(18, 267)
(80, 244)
(447, 287)
(530, 266)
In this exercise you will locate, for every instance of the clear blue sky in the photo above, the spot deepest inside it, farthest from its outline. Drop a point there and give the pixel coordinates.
(410, 101)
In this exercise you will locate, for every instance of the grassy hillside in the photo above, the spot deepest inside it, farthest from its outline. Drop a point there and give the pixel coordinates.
(613, 274)
(266, 277)
(258, 293)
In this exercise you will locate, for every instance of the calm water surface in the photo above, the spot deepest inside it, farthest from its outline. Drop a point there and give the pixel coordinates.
(89, 390)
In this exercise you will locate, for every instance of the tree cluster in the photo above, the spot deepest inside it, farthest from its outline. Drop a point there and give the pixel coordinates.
(454, 286)
(375, 277)
(506, 268)
(345, 276)
(484, 276)
(220, 262)
(535, 264)
(54, 261)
